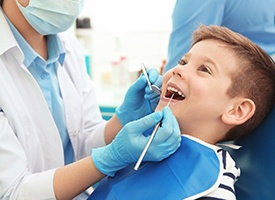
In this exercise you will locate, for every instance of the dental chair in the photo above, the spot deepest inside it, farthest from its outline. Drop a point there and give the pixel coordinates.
(256, 159)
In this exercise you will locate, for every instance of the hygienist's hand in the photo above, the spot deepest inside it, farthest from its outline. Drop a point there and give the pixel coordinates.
(139, 100)
(130, 142)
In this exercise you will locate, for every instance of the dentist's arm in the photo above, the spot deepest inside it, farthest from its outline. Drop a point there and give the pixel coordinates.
(130, 141)
(73, 179)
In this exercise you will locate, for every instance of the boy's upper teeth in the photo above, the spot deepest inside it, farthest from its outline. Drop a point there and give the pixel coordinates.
(172, 89)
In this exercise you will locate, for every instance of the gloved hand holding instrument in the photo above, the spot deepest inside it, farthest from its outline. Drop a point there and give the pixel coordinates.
(139, 102)
(130, 142)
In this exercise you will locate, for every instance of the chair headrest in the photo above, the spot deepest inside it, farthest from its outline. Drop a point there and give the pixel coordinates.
(256, 159)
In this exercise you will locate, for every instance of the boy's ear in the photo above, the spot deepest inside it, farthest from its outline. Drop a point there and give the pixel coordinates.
(242, 110)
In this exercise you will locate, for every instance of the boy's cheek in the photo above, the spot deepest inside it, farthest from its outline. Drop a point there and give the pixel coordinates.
(166, 77)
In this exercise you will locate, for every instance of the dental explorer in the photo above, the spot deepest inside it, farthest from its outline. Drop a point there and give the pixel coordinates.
(149, 141)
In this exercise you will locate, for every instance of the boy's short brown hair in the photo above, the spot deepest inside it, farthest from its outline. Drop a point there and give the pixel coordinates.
(254, 78)
(1, 2)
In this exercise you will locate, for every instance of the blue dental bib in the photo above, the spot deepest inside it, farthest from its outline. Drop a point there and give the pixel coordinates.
(191, 172)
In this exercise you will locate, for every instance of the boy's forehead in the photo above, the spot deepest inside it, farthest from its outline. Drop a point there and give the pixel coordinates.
(210, 49)
(210, 43)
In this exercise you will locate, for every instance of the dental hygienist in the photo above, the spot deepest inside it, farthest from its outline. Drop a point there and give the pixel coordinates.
(52, 135)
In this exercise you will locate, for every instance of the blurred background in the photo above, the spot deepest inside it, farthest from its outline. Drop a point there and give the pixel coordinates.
(117, 36)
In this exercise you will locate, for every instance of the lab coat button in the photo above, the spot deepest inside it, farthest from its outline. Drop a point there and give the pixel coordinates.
(44, 75)
(75, 133)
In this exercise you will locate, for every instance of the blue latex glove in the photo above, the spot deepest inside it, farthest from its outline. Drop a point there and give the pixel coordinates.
(130, 142)
(139, 100)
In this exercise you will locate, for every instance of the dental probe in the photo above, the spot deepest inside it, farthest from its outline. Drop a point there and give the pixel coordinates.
(149, 141)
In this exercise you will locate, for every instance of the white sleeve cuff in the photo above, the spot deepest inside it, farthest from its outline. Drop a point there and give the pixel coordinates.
(38, 186)
(96, 139)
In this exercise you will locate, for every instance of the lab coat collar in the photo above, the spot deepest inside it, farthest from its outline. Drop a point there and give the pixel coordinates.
(67, 48)
(11, 34)
(56, 50)
(8, 41)
(30, 54)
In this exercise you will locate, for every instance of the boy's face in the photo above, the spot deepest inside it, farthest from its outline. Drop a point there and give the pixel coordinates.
(199, 83)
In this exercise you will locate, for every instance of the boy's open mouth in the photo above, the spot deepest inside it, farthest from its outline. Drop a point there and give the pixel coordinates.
(178, 95)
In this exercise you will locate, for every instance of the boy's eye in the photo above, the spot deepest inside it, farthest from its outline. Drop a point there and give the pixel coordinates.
(203, 68)
(182, 62)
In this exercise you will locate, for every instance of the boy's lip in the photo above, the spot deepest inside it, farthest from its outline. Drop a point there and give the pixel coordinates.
(172, 88)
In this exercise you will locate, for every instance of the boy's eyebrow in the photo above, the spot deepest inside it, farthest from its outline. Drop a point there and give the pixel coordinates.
(187, 55)
(209, 60)
(205, 59)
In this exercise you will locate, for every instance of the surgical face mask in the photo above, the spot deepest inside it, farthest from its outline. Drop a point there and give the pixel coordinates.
(51, 16)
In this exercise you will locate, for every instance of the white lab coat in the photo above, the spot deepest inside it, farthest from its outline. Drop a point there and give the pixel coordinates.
(30, 145)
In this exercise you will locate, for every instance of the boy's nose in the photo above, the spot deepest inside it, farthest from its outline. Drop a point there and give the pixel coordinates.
(180, 71)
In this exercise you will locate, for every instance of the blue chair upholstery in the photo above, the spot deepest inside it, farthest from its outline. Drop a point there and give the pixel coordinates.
(256, 159)
(107, 111)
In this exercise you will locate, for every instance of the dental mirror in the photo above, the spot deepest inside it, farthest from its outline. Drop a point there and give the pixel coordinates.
(152, 87)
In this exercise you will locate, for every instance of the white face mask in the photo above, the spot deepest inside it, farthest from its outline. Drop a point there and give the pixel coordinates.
(51, 16)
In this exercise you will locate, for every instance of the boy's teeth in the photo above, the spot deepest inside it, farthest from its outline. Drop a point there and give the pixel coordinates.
(175, 90)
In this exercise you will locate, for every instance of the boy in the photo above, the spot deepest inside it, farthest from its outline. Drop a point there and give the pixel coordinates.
(223, 88)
